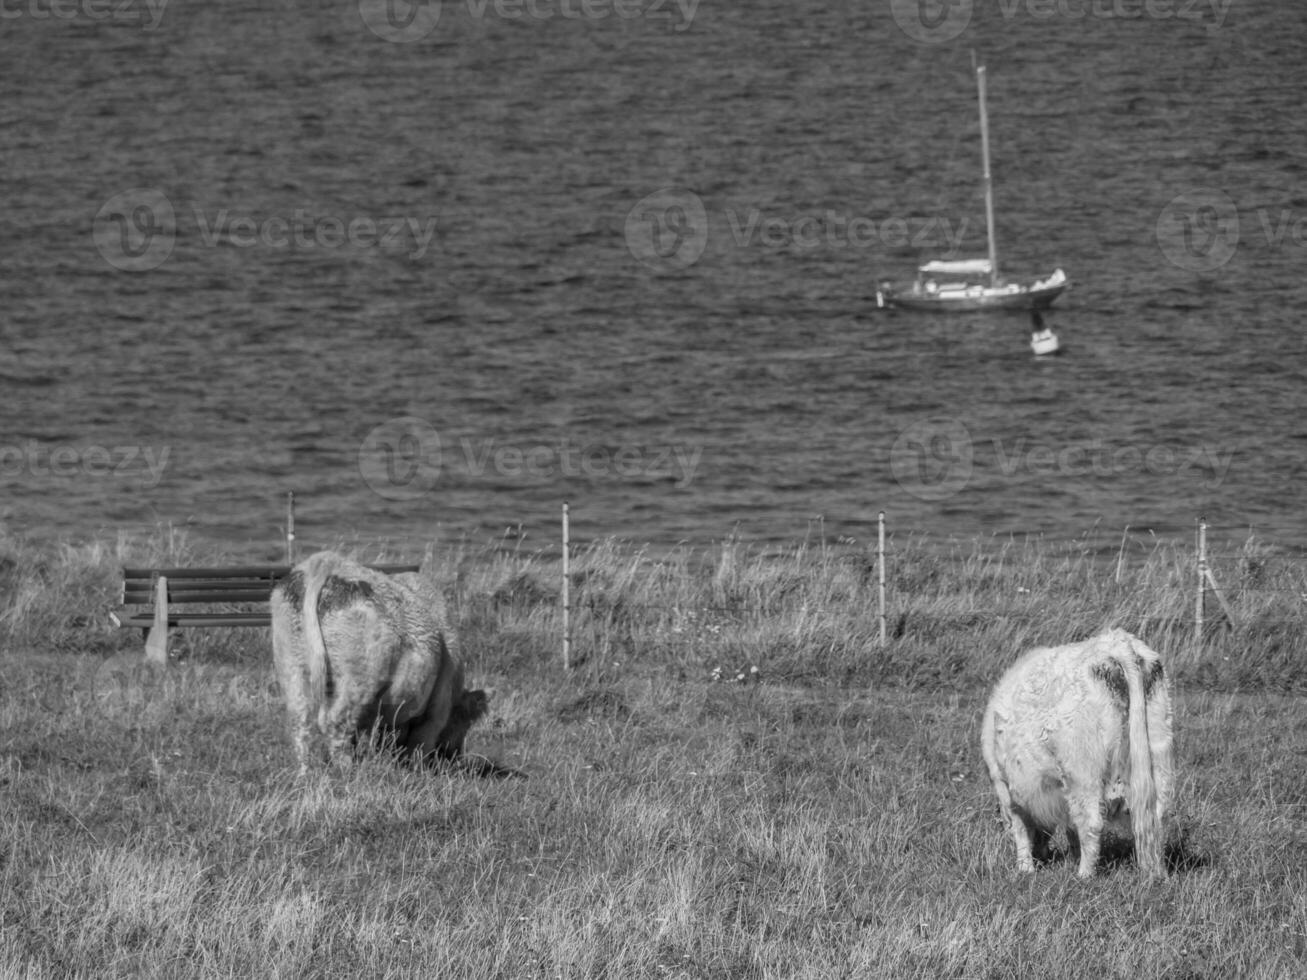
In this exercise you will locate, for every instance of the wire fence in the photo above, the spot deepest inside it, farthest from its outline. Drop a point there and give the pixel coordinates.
(1229, 581)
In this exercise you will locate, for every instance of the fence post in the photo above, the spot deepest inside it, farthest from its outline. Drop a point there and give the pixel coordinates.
(1202, 580)
(290, 527)
(567, 604)
(880, 566)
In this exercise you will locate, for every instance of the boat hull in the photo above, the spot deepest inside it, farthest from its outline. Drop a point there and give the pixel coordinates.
(972, 299)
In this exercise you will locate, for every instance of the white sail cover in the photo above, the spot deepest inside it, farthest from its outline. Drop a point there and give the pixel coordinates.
(958, 267)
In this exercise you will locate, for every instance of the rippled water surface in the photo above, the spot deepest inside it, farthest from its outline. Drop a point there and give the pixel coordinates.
(413, 282)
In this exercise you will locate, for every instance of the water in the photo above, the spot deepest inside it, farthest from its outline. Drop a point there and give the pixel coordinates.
(404, 280)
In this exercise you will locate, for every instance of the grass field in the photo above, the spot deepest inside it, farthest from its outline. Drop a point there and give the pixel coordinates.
(735, 780)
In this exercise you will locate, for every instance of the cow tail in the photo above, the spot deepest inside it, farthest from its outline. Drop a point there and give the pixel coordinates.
(316, 570)
(1144, 819)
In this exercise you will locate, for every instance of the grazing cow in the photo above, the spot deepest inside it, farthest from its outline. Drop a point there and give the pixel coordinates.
(1075, 736)
(355, 649)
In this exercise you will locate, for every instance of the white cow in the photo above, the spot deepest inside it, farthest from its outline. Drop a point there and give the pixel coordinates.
(356, 650)
(1078, 736)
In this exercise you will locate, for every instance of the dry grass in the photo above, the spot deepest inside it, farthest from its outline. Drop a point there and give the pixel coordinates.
(826, 816)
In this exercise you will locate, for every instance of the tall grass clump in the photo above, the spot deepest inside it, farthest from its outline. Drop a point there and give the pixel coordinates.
(955, 617)
(810, 615)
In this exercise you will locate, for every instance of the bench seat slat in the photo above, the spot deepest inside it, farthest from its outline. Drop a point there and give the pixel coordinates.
(195, 586)
(208, 584)
(140, 597)
(191, 598)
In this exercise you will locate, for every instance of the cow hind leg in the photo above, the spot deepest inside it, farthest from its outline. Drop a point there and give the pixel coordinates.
(293, 680)
(301, 726)
(340, 748)
(1023, 835)
(1087, 820)
(302, 736)
(1020, 826)
(341, 724)
(1034, 840)
(299, 718)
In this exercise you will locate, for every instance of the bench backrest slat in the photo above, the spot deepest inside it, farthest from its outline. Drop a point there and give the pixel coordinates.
(269, 572)
(236, 571)
(248, 584)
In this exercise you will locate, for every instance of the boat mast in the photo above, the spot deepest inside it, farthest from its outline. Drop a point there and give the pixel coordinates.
(989, 186)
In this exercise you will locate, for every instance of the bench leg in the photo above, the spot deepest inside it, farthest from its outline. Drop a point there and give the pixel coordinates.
(156, 640)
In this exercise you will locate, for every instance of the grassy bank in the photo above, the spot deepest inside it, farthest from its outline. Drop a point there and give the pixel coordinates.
(955, 618)
(686, 815)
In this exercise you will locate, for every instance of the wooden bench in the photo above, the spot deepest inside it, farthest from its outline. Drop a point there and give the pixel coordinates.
(248, 586)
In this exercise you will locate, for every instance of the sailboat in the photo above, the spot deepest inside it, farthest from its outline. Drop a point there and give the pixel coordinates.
(961, 285)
